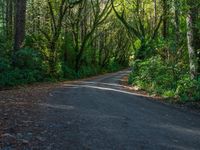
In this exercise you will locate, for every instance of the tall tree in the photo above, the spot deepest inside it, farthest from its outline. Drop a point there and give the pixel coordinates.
(9, 18)
(177, 20)
(20, 17)
(98, 12)
(57, 11)
(192, 35)
(165, 18)
(137, 27)
(155, 12)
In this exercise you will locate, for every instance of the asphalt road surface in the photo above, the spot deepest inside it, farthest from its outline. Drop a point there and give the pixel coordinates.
(99, 114)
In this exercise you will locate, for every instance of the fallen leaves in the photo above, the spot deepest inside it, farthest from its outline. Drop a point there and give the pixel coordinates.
(20, 114)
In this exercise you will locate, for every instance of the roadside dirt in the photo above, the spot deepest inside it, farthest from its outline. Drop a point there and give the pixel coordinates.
(18, 112)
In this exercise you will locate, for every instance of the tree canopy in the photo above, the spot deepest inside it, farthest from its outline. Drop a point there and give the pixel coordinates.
(42, 40)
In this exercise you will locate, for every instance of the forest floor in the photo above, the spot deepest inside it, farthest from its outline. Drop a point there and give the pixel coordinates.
(101, 112)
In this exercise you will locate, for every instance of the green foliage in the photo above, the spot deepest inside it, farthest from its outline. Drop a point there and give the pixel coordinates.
(157, 77)
(87, 71)
(4, 65)
(5, 47)
(29, 68)
(28, 58)
(188, 89)
(113, 66)
(18, 77)
(68, 72)
(58, 74)
(53, 46)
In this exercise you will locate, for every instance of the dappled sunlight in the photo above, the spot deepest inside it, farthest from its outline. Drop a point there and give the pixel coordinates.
(98, 87)
(102, 83)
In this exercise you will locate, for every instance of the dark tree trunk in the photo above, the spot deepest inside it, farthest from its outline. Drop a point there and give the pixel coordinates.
(19, 24)
(165, 19)
(155, 13)
(177, 22)
(9, 19)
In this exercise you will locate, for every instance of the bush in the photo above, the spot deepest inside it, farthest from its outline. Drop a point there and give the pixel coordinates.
(4, 65)
(68, 72)
(188, 89)
(19, 77)
(152, 75)
(113, 66)
(157, 77)
(87, 71)
(28, 58)
(29, 68)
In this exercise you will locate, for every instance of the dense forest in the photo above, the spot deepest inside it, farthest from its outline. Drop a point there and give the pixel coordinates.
(51, 40)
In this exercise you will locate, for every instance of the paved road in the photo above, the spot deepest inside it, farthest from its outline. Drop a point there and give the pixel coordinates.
(99, 114)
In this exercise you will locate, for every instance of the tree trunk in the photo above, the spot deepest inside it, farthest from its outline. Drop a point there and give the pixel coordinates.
(19, 24)
(155, 13)
(9, 19)
(177, 22)
(191, 35)
(165, 19)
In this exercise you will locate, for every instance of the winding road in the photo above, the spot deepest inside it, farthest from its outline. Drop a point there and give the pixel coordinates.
(94, 114)
(99, 114)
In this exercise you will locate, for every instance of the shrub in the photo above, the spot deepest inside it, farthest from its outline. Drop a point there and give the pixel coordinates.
(29, 68)
(155, 76)
(28, 58)
(18, 77)
(68, 72)
(87, 71)
(10, 78)
(152, 75)
(188, 89)
(113, 66)
(4, 65)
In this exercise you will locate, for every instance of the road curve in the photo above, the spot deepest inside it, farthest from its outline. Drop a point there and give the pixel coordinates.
(99, 114)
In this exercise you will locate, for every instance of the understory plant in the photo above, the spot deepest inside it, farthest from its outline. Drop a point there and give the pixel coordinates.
(157, 77)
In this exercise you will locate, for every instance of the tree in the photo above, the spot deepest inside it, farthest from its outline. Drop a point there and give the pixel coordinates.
(137, 28)
(192, 35)
(165, 4)
(20, 17)
(98, 12)
(177, 20)
(57, 15)
(9, 19)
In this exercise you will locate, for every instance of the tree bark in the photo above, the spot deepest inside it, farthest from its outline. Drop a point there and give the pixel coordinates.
(191, 35)
(165, 19)
(155, 13)
(9, 19)
(177, 22)
(20, 20)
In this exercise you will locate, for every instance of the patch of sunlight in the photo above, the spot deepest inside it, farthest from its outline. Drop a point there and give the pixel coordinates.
(102, 83)
(106, 89)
